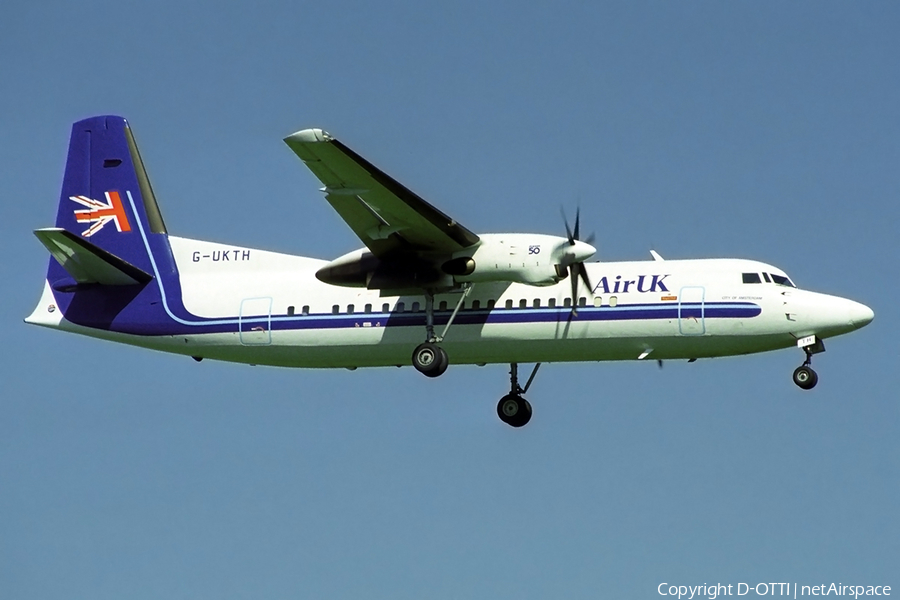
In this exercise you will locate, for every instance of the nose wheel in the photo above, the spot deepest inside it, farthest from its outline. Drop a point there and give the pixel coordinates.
(805, 377)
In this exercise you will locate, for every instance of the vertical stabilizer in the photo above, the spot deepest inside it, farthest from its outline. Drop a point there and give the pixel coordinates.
(110, 240)
(106, 196)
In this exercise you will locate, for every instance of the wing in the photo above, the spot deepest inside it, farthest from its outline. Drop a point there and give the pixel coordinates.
(391, 220)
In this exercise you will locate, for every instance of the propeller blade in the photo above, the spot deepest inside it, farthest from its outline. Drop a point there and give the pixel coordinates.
(573, 275)
(576, 270)
(590, 239)
(577, 222)
(582, 271)
(566, 222)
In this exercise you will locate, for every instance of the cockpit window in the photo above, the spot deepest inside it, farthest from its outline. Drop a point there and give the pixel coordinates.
(782, 280)
(766, 277)
(751, 278)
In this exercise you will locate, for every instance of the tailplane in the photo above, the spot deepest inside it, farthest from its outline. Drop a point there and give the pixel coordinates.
(87, 263)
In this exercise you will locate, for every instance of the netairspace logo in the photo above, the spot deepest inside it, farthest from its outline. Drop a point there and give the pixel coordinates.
(713, 591)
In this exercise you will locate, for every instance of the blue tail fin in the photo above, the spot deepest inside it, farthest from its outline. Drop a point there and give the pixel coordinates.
(110, 242)
(106, 197)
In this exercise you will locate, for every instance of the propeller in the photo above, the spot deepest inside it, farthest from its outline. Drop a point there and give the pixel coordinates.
(574, 253)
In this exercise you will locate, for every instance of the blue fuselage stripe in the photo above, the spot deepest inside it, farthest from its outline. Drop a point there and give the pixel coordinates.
(637, 312)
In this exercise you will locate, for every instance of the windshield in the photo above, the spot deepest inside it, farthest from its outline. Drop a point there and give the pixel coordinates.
(782, 280)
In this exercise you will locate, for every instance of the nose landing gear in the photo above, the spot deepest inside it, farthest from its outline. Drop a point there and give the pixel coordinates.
(804, 376)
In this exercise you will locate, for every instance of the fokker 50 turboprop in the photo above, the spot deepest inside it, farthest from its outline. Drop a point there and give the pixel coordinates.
(116, 274)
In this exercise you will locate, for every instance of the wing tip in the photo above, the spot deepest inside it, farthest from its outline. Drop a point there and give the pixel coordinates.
(308, 136)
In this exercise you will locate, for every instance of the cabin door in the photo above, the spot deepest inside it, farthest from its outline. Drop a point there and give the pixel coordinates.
(692, 310)
(255, 321)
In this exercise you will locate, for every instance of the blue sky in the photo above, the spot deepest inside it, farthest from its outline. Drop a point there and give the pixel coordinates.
(757, 130)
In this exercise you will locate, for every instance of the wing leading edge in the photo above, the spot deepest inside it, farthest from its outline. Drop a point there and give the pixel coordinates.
(391, 220)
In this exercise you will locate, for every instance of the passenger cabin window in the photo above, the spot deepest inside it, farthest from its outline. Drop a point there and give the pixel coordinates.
(305, 309)
(751, 278)
(385, 307)
(598, 301)
(491, 304)
(401, 307)
(523, 303)
(415, 307)
(509, 304)
(349, 309)
(368, 308)
(613, 300)
(442, 305)
(537, 303)
(290, 310)
(567, 303)
(476, 304)
(582, 301)
(335, 310)
(551, 302)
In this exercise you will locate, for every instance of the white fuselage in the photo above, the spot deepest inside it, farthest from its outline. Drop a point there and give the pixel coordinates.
(276, 312)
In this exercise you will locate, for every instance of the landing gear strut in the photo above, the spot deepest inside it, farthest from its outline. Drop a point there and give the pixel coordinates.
(804, 376)
(429, 358)
(513, 409)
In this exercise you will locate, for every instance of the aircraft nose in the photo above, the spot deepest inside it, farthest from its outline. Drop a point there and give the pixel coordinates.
(861, 315)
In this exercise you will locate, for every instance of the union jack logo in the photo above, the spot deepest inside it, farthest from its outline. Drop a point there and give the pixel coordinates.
(100, 214)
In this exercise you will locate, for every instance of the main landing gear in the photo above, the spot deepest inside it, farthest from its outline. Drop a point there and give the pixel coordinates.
(513, 409)
(429, 358)
(804, 376)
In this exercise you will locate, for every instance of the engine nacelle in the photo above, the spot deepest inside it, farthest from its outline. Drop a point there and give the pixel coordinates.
(361, 268)
(533, 259)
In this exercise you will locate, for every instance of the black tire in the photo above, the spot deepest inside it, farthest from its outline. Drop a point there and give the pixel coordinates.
(430, 359)
(514, 410)
(445, 362)
(525, 415)
(805, 378)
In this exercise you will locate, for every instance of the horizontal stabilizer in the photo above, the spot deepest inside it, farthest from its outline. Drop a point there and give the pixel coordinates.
(88, 263)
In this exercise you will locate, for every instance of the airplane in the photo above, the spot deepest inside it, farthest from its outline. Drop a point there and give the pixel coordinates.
(424, 289)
